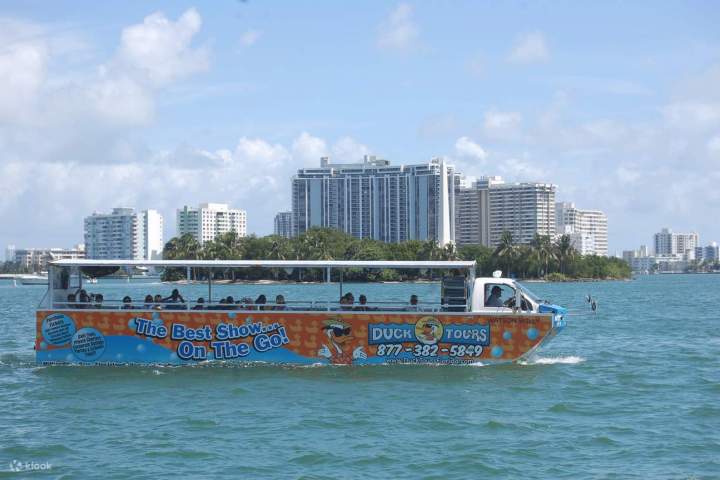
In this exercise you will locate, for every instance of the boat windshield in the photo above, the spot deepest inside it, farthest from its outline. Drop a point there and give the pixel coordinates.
(529, 293)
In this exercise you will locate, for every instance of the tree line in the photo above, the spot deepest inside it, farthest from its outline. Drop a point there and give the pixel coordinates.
(543, 258)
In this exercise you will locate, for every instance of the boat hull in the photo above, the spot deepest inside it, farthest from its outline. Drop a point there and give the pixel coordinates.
(170, 337)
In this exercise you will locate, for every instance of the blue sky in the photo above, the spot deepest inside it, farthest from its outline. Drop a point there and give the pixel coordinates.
(106, 104)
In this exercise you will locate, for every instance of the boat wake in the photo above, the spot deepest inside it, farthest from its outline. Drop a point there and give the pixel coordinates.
(569, 360)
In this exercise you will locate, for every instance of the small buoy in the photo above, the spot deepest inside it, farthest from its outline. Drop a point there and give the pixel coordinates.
(593, 305)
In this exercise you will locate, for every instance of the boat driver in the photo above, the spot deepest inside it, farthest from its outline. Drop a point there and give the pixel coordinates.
(494, 300)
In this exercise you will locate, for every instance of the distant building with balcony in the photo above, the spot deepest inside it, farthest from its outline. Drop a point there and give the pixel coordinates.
(209, 220)
(523, 209)
(124, 234)
(373, 199)
(588, 229)
(472, 211)
(36, 259)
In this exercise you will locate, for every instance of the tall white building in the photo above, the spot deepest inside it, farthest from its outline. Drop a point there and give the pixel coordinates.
(210, 220)
(472, 211)
(669, 243)
(283, 224)
(124, 234)
(153, 235)
(373, 199)
(588, 229)
(523, 209)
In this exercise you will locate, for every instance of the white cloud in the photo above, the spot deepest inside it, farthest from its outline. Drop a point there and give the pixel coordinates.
(249, 38)
(530, 48)
(309, 149)
(347, 149)
(23, 65)
(692, 114)
(466, 147)
(160, 48)
(501, 124)
(399, 31)
(521, 170)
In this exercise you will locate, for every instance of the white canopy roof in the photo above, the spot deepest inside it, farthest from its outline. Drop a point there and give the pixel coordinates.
(268, 264)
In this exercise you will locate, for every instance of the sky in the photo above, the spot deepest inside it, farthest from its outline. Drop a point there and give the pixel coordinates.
(165, 104)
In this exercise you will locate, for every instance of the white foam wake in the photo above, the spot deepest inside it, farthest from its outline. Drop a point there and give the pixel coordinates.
(569, 360)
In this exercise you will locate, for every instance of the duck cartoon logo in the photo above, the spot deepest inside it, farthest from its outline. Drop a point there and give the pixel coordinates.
(338, 346)
(428, 330)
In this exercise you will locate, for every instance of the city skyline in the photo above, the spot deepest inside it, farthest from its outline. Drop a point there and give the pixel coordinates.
(234, 97)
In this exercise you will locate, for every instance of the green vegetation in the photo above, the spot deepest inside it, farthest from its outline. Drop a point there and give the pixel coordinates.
(542, 259)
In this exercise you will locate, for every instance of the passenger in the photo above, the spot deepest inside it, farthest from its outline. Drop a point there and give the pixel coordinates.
(200, 304)
(84, 299)
(157, 302)
(494, 300)
(98, 298)
(261, 301)
(230, 301)
(148, 302)
(414, 303)
(127, 303)
(71, 301)
(247, 303)
(176, 299)
(222, 304)
(363, 304)
(279, 303)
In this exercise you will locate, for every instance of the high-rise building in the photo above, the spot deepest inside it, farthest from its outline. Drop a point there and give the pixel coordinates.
(36, 259)
(153, 235)
(374, 199)
(10, 253)
(283, 224)
(588, 229)
(669, 243)
(708, 254)
(116, 235)
(210, 220)
(472, 211)
(523, 209)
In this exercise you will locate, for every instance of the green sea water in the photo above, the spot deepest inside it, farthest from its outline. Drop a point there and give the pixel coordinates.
(632, 391)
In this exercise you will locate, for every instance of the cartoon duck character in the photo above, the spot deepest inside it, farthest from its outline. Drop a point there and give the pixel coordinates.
(428, 333)
(337, 348)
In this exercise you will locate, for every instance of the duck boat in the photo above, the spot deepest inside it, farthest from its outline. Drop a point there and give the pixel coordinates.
(473, 320)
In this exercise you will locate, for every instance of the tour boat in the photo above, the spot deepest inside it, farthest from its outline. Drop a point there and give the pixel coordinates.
(472, 321)
(33, 279)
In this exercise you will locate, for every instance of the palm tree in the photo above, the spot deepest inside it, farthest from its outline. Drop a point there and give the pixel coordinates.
(564, 251)
(542, 251)
(506, 250)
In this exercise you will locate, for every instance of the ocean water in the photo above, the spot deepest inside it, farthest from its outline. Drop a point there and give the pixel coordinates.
(632, 391)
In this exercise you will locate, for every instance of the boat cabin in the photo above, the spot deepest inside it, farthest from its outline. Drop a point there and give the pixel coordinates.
(460, 290)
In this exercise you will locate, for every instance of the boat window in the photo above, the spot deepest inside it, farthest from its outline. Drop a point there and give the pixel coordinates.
(529, 294)
(498, 295)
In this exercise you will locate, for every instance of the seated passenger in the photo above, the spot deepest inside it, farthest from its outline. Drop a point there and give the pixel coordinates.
(494, 300)
(148, 302)
(279, 303)
(98, 298)
(413, 303)
(71, 301)
(83, 299)
(230, 302)
(261, 301)
(200, 304)
(127, 303)
(222, 305)
(157, 302)
(363, 304)
(176, 299)
(247, 303)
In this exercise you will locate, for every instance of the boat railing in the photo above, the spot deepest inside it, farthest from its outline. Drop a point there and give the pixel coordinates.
(297, 306)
